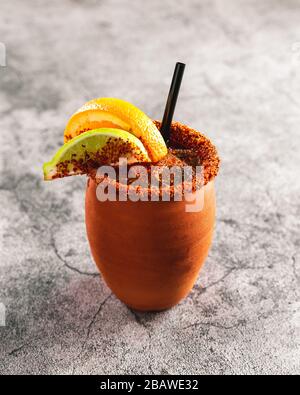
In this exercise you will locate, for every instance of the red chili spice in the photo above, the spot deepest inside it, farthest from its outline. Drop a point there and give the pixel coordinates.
(187, 147)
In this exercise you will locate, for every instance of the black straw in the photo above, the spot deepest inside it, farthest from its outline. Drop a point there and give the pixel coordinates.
(172, 99)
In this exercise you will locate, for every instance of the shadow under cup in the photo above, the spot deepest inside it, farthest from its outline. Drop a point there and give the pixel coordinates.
(150, 253)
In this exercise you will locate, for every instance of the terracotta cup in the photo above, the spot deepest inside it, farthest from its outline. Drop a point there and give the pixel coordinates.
(149, 253)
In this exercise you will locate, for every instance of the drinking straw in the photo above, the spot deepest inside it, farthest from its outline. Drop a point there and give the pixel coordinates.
(172, 99)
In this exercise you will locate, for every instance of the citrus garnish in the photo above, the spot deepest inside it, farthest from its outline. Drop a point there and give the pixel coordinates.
(99, 146)
(116, 113)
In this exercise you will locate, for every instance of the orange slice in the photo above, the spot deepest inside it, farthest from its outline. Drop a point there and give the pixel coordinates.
(117, 114)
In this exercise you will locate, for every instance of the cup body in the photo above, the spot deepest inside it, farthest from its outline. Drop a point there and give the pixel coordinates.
(149, 253)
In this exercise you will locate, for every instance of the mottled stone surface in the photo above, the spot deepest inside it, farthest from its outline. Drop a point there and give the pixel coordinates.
(242, 86)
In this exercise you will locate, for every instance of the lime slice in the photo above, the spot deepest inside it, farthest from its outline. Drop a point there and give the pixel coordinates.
(98, 147)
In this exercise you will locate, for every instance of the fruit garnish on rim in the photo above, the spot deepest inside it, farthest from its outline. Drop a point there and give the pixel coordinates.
(100, 133)
(103, 132)
(115, 113)
(99, 146)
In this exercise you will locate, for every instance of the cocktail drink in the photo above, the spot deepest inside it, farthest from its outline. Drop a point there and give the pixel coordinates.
(150, 228)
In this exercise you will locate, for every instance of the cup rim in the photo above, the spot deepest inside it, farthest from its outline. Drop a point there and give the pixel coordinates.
(181, 136)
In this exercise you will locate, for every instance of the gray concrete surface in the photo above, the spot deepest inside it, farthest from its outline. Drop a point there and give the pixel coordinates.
(242, 86)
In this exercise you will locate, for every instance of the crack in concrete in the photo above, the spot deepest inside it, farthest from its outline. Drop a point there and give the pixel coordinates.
(294, 268)
(238, 266)
(200, 290)
(138, 318)
(220, 279)
(17, 349)
(151, 370)
(229, 221)
(63, 260)
(219, 326)
(270, 197)
(14, 189)
(26, 343)
(89, 328)
(140, 322)
(233, 223)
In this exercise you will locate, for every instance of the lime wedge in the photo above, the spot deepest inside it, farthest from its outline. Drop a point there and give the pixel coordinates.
(98, 147)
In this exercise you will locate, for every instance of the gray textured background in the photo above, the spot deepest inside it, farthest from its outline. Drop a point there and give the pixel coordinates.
(242, 86)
